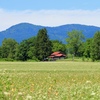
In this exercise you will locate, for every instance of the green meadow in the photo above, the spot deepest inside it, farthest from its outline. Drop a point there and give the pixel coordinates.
(64, 80)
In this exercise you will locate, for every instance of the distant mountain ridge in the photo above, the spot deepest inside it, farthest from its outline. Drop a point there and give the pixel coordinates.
(23, 31)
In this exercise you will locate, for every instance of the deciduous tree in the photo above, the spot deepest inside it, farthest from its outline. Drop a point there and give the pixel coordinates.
(95, 47)
(9, 48)
(74, 40)
(58, 46)
(87, 48)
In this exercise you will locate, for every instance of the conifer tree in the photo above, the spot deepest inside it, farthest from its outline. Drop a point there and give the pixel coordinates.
(43, 45)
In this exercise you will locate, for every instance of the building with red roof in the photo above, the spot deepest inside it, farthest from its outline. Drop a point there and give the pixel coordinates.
(57, 55)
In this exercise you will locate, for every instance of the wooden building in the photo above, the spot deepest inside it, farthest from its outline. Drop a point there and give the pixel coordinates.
(57, 55)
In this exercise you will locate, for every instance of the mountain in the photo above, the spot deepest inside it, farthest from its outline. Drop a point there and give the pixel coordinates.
(23, 31)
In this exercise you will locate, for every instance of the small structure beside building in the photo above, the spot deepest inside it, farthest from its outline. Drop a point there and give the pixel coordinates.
(57, 55)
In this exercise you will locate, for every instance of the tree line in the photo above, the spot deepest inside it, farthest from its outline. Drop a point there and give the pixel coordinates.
(78, 46)
(40, 47)
(35, 48)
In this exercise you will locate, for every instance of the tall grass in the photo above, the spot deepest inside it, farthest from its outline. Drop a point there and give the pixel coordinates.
(49, 81)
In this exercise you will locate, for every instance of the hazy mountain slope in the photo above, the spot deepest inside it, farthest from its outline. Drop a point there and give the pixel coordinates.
(23, 31)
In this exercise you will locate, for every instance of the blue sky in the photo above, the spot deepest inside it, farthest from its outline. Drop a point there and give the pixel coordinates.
(49, 12)
(49, 4)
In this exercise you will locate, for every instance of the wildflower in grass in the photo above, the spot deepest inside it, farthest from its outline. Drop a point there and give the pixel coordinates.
(6, 93)
(32, 87)
(50, 88)
(56, 93)
(20, 93)
(88, 82)
(44, 97)
(13, 89)
(28, 97)
(93, 93)
(32, 84)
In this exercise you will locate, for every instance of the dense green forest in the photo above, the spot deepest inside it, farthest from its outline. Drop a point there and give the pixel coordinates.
(40, 47)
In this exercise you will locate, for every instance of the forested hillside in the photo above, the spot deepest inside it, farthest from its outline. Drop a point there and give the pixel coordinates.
(23, 31)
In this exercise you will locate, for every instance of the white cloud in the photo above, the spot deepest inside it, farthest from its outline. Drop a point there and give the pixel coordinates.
(49, 17)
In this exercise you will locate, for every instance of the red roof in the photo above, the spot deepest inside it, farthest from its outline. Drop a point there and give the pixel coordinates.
(57, 54)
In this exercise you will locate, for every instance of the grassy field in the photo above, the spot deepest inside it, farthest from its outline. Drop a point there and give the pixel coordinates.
(50, 80)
